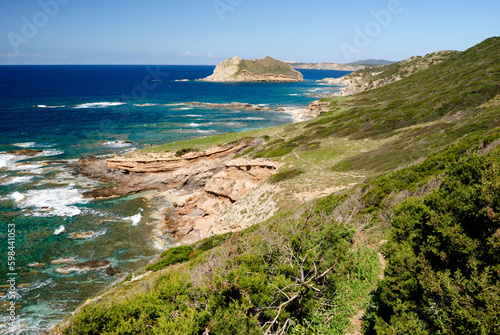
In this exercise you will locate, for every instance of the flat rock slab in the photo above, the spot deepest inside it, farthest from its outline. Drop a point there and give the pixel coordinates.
(84, 267)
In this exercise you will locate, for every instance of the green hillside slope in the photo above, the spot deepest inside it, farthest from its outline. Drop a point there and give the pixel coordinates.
(423, 155)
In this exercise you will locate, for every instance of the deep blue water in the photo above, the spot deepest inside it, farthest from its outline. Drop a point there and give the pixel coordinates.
(74, 111)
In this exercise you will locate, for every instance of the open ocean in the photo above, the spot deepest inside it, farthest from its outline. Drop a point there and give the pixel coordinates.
(66, 112)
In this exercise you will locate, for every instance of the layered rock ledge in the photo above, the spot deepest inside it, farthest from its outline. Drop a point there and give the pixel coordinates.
(197, 186)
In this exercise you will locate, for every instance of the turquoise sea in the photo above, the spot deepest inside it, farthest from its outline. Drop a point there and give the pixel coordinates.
(67, 112)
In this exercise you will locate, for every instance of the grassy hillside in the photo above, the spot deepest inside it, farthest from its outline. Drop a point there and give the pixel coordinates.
(423, 155)
(268, 65)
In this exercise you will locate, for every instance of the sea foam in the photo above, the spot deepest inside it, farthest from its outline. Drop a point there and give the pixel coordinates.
(99, 104)
(51, 152)
(134, 218)
(254, 118)
(7, 160)
(50, 202)
(117, 144)
(46, 106)
(61, 229)
(18, 180)
(25, 145)
(25, 167)
(17, 196)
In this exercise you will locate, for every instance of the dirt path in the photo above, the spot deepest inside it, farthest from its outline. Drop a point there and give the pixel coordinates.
(357, 320)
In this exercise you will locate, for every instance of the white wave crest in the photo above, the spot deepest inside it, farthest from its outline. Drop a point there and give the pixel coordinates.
(100, 232)
(254, 118)
(25, 167)
(46, 106)
(50, 202)
(177, 104)
(145, 105)
(37, 285)
(61, 229)
(8, 160)
(18, 180)
(117, 144)
(99, 104)
(25, 145)
(134, 218)
(17, 196)
(51, 152)
(205, 131)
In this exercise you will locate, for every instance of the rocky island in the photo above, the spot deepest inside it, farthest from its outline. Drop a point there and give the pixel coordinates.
(266, 69)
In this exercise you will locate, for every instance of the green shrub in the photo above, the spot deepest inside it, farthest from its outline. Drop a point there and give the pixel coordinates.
(182, 152)
(212, 242)
(172, 256)
(443, 274)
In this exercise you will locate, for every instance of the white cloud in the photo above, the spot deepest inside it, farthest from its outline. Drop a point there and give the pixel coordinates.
(189, 53)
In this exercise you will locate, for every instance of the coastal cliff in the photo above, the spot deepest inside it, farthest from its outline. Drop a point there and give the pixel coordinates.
(254, 70)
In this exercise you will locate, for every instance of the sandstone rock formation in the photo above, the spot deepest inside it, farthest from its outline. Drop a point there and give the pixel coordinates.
(200, 215)
(168, 162)
(198, 186)
(82, 235)
(24, 152)
(255, 70)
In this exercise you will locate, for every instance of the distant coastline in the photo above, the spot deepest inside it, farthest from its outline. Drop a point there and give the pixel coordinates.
(354, 66)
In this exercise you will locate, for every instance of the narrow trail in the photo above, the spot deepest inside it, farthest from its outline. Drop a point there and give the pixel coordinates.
(357, 320)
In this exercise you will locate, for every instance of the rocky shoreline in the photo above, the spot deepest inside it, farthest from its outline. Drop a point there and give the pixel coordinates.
(314, 109)
(194, 186)
(197, 187)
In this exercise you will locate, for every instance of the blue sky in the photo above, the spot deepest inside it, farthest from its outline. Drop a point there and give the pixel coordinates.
(208, 31)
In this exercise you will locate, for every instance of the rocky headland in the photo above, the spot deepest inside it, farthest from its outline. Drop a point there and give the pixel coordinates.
(254, 70)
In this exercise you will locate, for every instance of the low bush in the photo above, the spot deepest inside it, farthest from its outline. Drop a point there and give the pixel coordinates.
(172, 256)
(443, 274)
